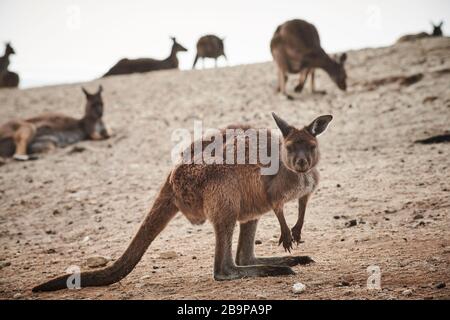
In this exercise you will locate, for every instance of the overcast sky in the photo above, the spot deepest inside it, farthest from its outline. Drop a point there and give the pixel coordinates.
(59, 41)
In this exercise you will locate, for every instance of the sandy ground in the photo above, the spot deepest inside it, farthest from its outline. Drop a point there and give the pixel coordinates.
(66, 207)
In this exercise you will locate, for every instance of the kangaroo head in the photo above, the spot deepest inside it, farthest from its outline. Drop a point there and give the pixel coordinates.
(437, 29)
(337, 72)
(299, 151)
(176, 47)
(94, 104)
(8, 49)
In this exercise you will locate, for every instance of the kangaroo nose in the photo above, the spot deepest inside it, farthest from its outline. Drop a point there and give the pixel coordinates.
(302, 163)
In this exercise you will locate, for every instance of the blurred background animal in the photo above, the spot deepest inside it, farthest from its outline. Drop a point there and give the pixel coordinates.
(209, 46)
(296, 49)
(127, 66)
(8, 79)
(22, 139)
(437, 32)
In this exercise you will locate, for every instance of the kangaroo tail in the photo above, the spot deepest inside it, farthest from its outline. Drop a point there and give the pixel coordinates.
(162, 212)
(195, 61)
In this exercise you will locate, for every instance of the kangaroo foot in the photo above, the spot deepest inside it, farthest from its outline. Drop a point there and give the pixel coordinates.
(278, 261)
(286, 240)
(253, 271)
(24, 157)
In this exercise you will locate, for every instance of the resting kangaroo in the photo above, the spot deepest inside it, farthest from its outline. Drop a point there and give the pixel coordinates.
(209, 46)
(127, 66)
(437, 32)
(225, 194)
(7, 78)
(20, 138)
(295, 47)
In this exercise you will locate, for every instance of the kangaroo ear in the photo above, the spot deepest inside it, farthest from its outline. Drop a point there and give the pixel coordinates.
(319, 125)
(441, 24)
(282, 125)
(87, 94)
(343, 58)
(100, 89)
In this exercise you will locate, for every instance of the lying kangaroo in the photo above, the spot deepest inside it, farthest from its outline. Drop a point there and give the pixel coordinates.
(209, 46)
(225, 194)
(127, 66)
(437, 32)
(295, 47)
(8, 79)
(23, 138)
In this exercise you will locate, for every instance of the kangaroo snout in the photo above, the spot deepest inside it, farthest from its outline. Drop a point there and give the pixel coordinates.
(301, 164)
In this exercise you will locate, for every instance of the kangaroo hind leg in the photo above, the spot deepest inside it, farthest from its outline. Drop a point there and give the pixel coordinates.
(245, 255)
(22, 137)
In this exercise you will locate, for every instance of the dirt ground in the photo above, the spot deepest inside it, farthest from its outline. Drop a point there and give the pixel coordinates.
(74, 204)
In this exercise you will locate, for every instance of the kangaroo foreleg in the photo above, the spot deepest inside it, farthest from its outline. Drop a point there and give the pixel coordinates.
(22, 137)
(297, 229)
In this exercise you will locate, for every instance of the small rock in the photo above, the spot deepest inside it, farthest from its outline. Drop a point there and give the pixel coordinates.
(418, 216)
(97, 262)
(351, 223)
(50, 231)
(50, 251)
(56, 212)
(17, 296)
(258, 242)
(4, 264)
(298, 288)
(85, 239)
(194, 257)
(338, 185)
(440, 285)
(407, 292)
(168, 255)
(145, 277)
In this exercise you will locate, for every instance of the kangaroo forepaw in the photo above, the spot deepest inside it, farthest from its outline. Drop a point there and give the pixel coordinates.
(286, 240)
(298, 88)
(297, 235)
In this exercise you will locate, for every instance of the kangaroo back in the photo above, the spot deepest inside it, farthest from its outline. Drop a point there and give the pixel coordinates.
(162, 212)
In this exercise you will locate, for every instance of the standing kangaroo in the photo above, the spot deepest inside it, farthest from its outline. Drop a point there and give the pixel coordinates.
(20, 138)
(7, 78)
(296, 48)
(225, 194)
(127, 66)
(209, 46)
(437, 32)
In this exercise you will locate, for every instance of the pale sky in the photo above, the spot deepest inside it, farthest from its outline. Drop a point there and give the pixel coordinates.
(61, 41)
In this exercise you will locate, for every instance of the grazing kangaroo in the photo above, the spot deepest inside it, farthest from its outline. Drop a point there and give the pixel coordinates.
(22, 138)
(209, 46)
(225, 194)
(437, 32)
(8, 79)
(296, 48)
(127, 66)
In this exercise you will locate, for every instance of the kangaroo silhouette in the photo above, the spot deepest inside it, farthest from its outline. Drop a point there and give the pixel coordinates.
(127, 66)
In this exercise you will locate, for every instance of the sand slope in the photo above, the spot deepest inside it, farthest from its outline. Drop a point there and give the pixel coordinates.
(66, 207)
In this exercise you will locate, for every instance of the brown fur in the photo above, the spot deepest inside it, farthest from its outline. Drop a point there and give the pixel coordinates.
(209, 46)
(127, 66)
(296, 48)
(226, 194)
(19, 138)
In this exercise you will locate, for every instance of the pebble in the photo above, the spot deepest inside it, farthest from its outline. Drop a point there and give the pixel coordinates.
(96, 262)
(17, 296)
(168, 255)
(440, 285)
(351, 223)
(298, 288)
(4, 264)
(407, 292)
(258, 242)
